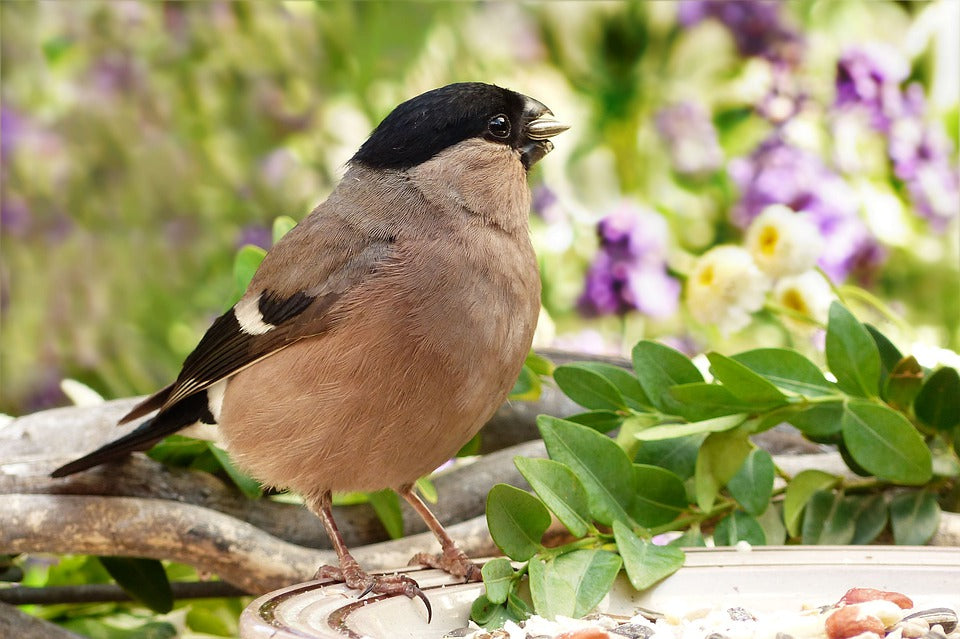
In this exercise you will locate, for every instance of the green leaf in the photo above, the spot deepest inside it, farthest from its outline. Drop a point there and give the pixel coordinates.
(645, 563)
(870, 514)
(387, 506)
(178, 450)
(539, 364)
(774, 530)
(597, 461)
(517, 521)
(787, 369)
(851, 353)
(819, 420)
(914, 517)
(851, 462)
(660, 496)
(752, 486)
(143, 579)
(829, 519)
(245, 265)
(123, 628)
(517, 607)
(282, 224)
(904, 383)
(659, 367)
(498, 577)
(798, 493)
(889, 354)
(560, 491)
(885, 443)
(673, 431)
(588, 388)
(625, 382)
(743, 383)
(527, 387)
(739, 526)
(721, 456)
(488, 614)
(691, 538)
(701, 401)
(249, 486)
(211, 618)
(426, 489)
(678, 455)
(602, 421)
(55, 48)
(573, 583)
(626, 437)
(938, 403)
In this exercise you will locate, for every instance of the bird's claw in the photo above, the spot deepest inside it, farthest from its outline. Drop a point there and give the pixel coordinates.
(354, 577)
(452, 561)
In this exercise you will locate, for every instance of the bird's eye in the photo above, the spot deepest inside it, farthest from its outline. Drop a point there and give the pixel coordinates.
(499, 126)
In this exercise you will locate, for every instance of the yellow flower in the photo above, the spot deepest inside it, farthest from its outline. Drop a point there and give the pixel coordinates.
(808, 294)
(725, 287)
(783, 242)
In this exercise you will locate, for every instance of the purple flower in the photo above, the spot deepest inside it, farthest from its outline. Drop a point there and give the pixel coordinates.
(869, 77)
(629, 271)
(922, 156)
(849, 249)
(545, 204)
(15, 217)
(255, 234)
(756, 26)
(11, 131)
(691, 138)
(44, 392)
(777, 173)
(935, 192)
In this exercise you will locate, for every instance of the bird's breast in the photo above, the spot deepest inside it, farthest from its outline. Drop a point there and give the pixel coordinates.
(423, 354)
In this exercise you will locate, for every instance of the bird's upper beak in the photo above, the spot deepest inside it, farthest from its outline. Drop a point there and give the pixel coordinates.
(537, 134)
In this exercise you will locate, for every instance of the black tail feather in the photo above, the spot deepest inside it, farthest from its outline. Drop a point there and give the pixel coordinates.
(184, 413)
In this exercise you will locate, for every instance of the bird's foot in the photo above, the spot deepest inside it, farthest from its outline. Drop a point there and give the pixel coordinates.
(453, 561)
(355, 577)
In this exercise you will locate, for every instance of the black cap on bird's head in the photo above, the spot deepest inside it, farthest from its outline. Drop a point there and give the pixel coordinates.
(423, 126)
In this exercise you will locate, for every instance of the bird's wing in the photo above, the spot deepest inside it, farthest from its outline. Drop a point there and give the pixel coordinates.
(291, 298)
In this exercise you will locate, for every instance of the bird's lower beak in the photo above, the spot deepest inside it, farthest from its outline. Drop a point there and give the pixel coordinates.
(539, 132)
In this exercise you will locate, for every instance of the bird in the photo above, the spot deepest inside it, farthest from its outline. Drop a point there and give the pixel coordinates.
(381, 332)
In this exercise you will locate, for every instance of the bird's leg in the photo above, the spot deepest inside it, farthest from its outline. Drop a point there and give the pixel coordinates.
(452, 559)
(349, 571)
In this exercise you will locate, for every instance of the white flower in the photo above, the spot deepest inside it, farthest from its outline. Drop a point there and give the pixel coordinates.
(783, 242)
(807, 293)
(725, 287)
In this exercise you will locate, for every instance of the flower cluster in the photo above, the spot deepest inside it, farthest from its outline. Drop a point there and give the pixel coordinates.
(869, 79)
(729, 283)
(690, 137)
(778, 173)
(756, 26)
(629, 271)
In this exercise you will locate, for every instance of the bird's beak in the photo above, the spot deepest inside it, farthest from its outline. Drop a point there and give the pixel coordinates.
(538, 133)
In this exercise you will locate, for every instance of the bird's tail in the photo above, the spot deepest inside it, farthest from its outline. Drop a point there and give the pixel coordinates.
(182, 414)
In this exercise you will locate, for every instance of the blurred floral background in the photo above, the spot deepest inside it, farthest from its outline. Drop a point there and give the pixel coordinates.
(733, 166)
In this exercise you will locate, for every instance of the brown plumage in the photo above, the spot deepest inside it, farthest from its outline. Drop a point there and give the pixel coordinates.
(381, 333)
